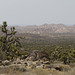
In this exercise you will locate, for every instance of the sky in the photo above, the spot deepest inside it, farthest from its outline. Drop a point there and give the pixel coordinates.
(37, 12)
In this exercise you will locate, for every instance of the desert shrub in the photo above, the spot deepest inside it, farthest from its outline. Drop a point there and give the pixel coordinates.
(66, 56)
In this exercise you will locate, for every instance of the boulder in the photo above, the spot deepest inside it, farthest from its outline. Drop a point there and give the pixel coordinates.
(29, 63)
(17, 61)
(24, 57)
(6, 62)
(46, 62)
(41, 66)
(38, 63)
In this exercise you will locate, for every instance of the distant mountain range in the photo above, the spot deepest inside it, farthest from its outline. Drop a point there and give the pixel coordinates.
(46, 29)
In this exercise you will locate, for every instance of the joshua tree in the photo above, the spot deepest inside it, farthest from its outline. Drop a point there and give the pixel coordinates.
(9, 43)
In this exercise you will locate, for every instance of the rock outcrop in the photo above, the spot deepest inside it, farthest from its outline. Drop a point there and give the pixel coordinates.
(36, 59)
(36, 55)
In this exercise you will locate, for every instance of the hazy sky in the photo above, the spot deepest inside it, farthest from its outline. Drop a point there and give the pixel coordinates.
(30, 12)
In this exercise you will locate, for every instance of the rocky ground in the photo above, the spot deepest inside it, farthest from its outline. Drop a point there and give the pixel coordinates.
(37, 63)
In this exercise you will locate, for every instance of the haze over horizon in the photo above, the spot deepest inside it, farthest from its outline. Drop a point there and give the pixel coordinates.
(37, 12)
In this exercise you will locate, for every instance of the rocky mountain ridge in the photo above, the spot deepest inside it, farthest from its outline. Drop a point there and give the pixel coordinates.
(46, 29)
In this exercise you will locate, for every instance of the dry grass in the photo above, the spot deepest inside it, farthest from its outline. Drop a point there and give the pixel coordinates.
(50, 72)
(38, 71)
(71, 72)
(9, 71)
